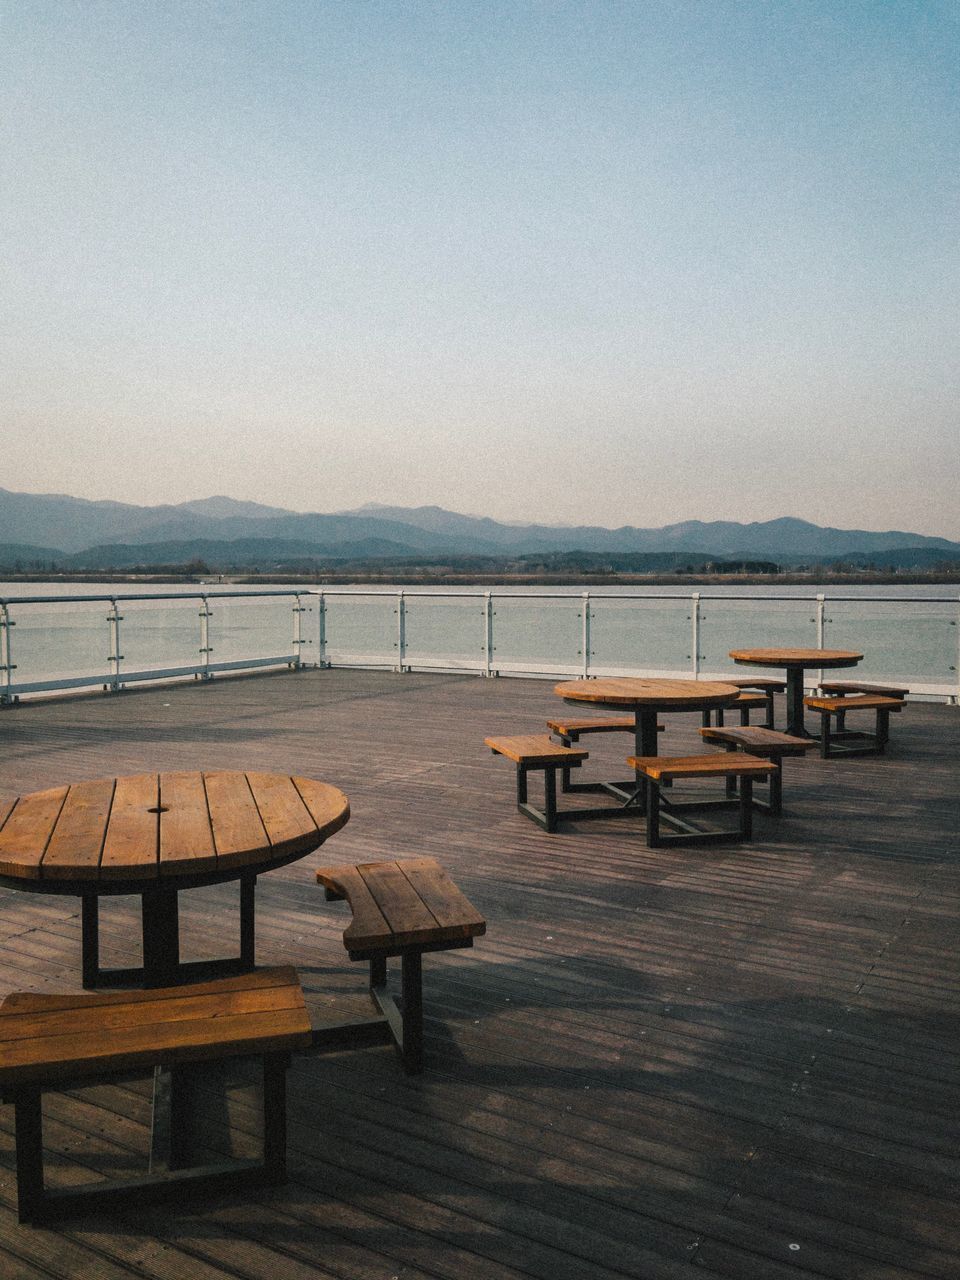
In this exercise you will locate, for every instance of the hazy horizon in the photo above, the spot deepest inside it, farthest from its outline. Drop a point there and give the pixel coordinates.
(555, 262)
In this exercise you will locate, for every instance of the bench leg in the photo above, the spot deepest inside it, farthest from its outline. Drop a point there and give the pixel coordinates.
(746, 808)
(29, 1122)
(776, 789)
(883, 729)
(412, 1011)
(653, 814)
(769, 719)
(275, 1116)
(824, 734)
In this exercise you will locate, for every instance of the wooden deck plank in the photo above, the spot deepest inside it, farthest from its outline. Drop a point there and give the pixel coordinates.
(650, 1062)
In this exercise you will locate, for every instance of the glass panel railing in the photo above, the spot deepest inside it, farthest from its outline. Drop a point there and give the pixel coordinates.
(61, 642)
(647, 637)
(444, 631)
(246, 630)
(906, 642)
(537, 634)
(161, 636)
(746, 623)
(361, 629)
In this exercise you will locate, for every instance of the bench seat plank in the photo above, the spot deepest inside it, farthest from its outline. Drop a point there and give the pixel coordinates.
(619, 724)
(534, 749)
(666, 768)
(454, 913)
(757, 682)
(862, 702)
(179, 1027)
(763, 741)
(409, 919)
(858, 686)
(369, 923)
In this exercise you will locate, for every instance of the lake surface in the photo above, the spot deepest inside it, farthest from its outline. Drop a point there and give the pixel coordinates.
(908, 634)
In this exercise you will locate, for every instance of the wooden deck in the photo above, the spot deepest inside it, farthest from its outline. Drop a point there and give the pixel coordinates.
(743, 1060)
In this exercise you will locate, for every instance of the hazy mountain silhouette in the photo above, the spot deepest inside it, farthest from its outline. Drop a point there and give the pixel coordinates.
(58, 523)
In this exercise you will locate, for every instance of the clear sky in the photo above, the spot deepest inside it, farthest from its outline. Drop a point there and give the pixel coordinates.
(590, 262)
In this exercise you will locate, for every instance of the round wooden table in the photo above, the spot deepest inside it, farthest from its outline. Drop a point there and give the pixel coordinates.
(647, 699)
(155, 834)
(795, 662)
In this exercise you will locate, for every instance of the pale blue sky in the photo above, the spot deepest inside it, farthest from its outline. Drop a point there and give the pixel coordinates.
(592, 262)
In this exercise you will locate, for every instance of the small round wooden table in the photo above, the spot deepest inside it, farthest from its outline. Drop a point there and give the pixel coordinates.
(794, 663)
(155, 834)
(647, 699)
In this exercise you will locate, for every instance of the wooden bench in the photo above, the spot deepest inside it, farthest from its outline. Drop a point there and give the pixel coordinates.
(570, 731)
(66, 1041)
(745, 703)
(660, 772)
(837, 688)
(538, 753)
(875, 743)
(403, 909)
(765, 744)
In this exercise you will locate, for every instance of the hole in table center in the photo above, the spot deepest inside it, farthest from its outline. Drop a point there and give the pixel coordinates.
(159, 808)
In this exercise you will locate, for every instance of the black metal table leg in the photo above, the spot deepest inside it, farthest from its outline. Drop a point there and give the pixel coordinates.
(795, 725)
(161, 937)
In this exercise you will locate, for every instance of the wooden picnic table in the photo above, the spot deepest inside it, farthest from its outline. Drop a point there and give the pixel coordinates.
(154, 834)
(795, 662)
(647, 699)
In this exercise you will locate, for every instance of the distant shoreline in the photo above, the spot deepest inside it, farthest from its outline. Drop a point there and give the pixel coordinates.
(399, 579)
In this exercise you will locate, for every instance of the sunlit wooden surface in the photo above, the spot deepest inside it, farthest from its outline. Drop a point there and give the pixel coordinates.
(738, 1059)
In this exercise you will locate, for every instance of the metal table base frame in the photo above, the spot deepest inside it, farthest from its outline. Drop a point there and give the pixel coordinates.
(630, 794)
(876, 743)
(161, 942)
(659, 809)
(38, 1203)
(400, 1023)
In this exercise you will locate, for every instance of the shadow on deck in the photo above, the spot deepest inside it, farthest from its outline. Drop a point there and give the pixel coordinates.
(741, 1059)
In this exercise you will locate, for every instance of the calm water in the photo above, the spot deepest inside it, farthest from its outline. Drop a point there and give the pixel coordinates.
(909, 635)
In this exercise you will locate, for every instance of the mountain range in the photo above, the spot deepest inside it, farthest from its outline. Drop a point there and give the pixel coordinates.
(78, 533)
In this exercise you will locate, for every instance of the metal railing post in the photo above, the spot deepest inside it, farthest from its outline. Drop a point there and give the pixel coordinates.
(488, 633)
(322, 630)
(585, 635)
(115, 617)
(205, 647)
(298, 641)
(821, 629)
(695, 633)
(401, 644)
(7, 665)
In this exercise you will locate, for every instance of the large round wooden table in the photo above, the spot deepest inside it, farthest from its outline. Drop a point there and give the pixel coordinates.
(795, 662)
(647, 699)
(155, 834)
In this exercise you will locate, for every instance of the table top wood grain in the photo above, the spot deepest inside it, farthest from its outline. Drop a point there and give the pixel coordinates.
(150, 826)
(801, 658)
(652, 694)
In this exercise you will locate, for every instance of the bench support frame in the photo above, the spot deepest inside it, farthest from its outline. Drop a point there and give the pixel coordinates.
(659, 809)
(39, 1204)
(875, 744)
